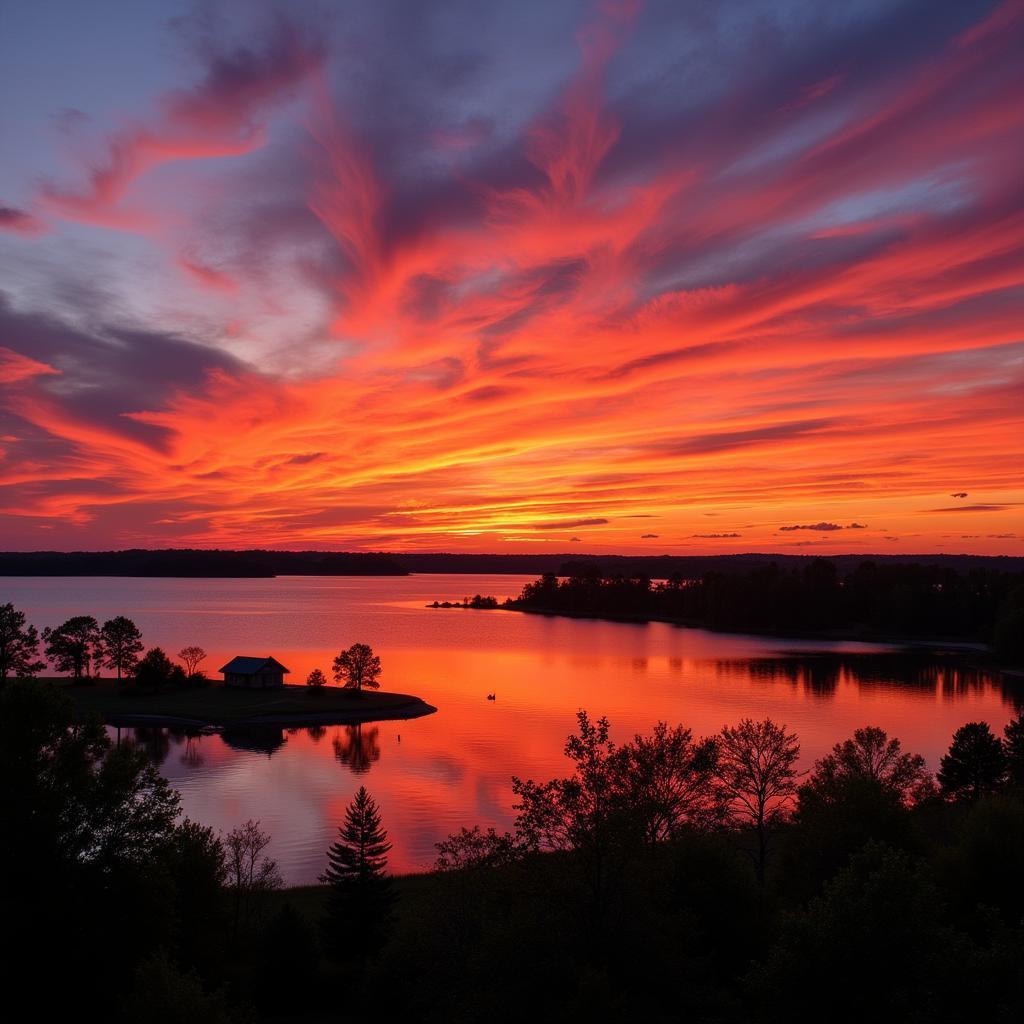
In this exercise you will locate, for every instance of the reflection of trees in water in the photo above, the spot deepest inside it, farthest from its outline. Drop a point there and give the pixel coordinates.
(357, 748)
(155, 740)
(820, 674)
(316, 732)
(191, 755)
(263, 739)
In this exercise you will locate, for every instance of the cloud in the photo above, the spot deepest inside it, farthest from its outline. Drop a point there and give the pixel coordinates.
(822, 527)
(856, 526)
(959, 494)
(20, 221)
(714, 536)
(975, 508)
(648, 536)
(568, 524)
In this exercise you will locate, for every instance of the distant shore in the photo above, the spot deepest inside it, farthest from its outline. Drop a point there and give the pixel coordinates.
(217, 706)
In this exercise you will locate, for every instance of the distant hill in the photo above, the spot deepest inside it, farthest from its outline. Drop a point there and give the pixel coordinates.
(194, 562)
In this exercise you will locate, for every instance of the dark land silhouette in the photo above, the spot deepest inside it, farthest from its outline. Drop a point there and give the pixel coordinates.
(666, 877)
(185, 562)
(909, 600)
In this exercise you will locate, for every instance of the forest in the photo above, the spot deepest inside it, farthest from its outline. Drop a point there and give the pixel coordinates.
(873, 599)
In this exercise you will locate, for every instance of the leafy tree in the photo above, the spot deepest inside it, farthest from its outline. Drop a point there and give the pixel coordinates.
(316, 680)
(474, 848)
(72, 645)
(19, 646)
(1013, 746)
(192, 656)
(120, 644)
(871, 755)
(85, 832)
(975, 764)
(756, 770)
(670, 781)
(358, 907)
(358, 667)
(155, 669)
(251, 875)
(873, 946)
(289, 960)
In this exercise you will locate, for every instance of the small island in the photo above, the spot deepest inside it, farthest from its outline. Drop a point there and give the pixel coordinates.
(477, 601)
(218, 705)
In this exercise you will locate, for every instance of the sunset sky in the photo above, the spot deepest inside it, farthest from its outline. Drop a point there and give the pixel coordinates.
(652, 277)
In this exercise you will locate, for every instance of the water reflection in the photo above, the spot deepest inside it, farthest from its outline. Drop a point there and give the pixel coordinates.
(823, 673)
(357, 747)
(263, 739)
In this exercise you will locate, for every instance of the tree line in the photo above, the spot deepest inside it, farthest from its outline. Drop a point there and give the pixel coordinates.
(882, 598)
(82, 647)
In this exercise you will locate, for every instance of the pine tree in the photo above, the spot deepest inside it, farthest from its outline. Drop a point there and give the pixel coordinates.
(359, 904)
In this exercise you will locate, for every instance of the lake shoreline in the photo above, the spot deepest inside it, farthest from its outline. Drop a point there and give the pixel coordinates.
(927, 644)
(217, 706)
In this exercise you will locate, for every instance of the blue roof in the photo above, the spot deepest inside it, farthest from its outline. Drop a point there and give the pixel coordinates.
(243, 666)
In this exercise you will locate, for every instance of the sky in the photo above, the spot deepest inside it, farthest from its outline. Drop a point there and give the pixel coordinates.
(662, 277)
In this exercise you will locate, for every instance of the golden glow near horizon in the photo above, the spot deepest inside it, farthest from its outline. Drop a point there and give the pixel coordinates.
(781, 319)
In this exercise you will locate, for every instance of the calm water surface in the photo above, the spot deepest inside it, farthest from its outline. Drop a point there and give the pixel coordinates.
(432, 775)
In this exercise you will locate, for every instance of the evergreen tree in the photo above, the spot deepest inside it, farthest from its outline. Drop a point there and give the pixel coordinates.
(358, 908)
(975, 764)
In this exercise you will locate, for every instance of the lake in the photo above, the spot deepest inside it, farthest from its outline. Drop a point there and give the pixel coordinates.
(432, 775)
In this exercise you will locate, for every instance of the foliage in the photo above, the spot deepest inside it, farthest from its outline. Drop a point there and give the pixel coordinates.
(164, 994)
(358, 906)
(975, 764)
(1013, 747)
(19, 646)
(120, 644)
(73, 645)
(155, 669)
(475, 848)
(358, 667)
(316, 680)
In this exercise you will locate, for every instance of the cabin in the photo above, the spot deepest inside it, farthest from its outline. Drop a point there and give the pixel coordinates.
(254, 673)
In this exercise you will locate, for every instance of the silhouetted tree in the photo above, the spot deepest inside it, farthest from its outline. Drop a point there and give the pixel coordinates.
(316, 680)
(475, 848)
(155, 669)
(120, 644)
(872, 755)
(163, 993)
(357, 667)
(756, 770)
(289, 960)
(670, 780)
(359, 902)
(19, 646)
(192, 657)
(72, 645)
(975, 764)
(251, 875)
(1013, 746)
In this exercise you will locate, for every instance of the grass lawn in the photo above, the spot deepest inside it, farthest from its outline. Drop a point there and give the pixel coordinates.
(217, 705)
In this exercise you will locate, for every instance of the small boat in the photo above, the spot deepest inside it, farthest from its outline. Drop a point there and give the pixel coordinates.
(491, 696)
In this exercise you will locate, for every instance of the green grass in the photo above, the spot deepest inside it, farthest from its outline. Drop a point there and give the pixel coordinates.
(217, 705)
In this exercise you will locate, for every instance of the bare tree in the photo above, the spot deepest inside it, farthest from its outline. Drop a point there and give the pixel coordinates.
(250, 874)
(756, 770)
(192, 656)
